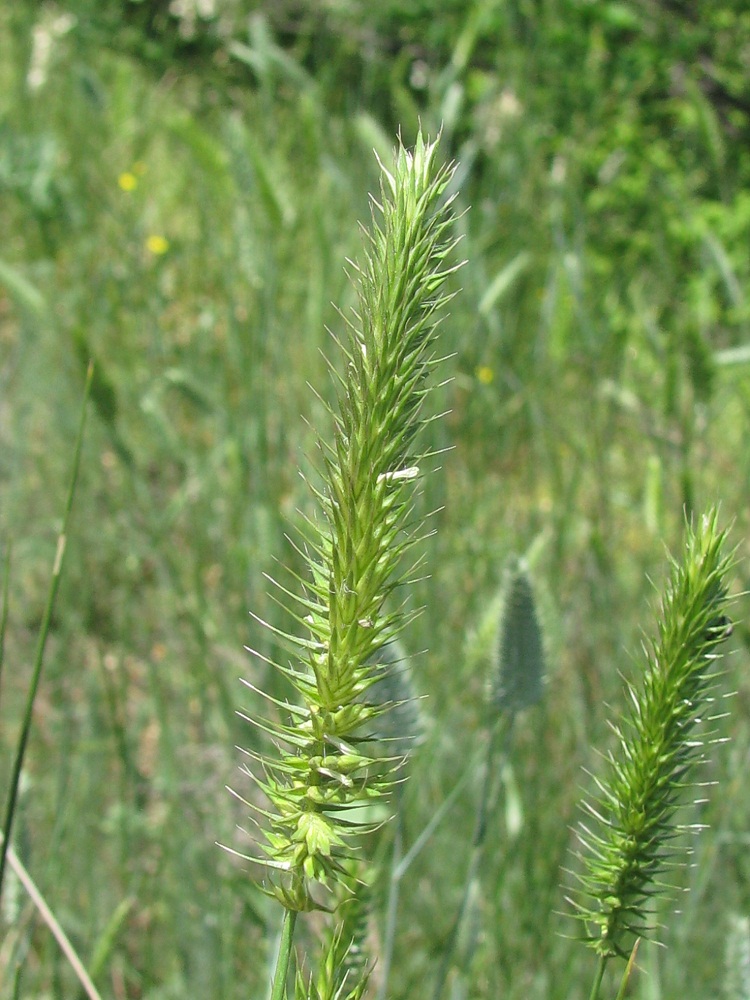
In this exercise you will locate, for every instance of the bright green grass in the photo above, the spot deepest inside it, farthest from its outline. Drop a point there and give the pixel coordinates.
(576, 429)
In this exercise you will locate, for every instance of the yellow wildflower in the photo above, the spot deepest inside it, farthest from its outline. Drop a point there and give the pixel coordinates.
(127, 181)
(485, 374)
(157, 245)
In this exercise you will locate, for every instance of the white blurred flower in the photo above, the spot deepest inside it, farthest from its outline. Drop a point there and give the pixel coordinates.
(503, 108)
(508, 105)
(559, 170)
(188, 12)
(52, 25)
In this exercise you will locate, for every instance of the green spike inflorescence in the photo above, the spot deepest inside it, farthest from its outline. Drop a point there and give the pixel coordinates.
(626, 845)
(356, 549)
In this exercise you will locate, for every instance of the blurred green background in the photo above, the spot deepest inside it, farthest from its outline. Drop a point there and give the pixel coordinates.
(180, 187)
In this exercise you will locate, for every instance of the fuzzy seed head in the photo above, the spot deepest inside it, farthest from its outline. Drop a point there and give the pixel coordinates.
(356, 549)
(631, 820)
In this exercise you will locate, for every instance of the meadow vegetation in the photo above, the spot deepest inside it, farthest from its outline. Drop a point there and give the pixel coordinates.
(181, 189)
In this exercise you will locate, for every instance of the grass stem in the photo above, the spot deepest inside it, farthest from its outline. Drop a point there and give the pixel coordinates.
(43, 633)
(601, 966)
(394, 886)
(278, 987)
(491, 768)
(4, 612)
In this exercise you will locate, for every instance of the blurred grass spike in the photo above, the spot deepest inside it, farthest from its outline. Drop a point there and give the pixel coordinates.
(402, 727)
(519, 660)
(658, 742)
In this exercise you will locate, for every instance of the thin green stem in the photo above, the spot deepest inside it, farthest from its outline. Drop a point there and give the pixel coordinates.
(280, 976)
(437, 818)
(394, 885)
(480, 832)
(62, 538)
(628, 971)
(594, 995)
(4, 612)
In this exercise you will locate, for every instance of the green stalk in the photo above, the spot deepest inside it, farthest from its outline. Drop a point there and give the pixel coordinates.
(391, 912)
(628, 972)
(401, 865)
(601, 966)
(492, 766)
(281, 974)
(62, 539)
(4, 613)
(517, 684)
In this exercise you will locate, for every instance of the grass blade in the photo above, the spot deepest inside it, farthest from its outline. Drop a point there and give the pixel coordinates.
(4, 612)
(42, 640)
